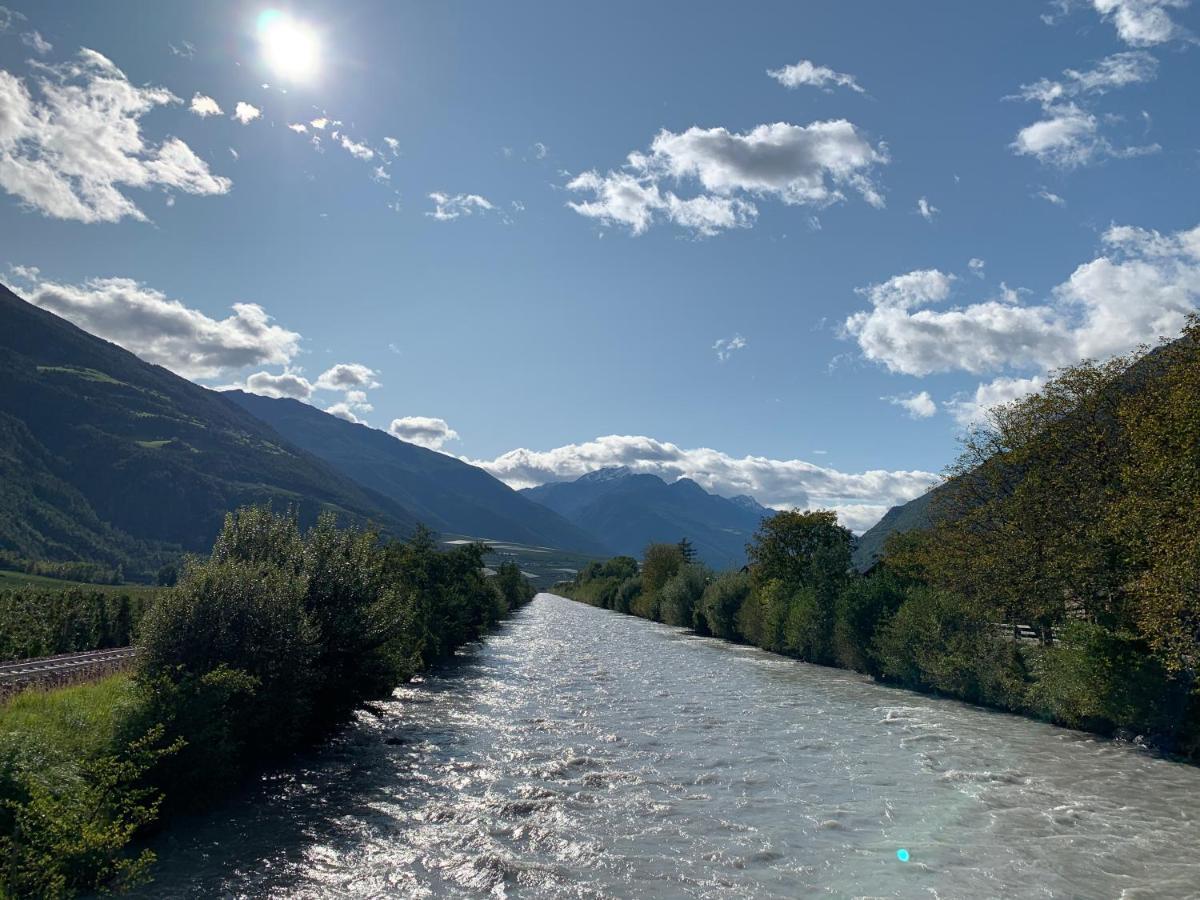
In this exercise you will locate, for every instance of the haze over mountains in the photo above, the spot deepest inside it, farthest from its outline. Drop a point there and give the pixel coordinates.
(106, 458)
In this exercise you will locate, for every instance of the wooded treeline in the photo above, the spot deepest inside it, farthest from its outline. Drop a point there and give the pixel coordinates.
(1075, 510)
(261, 648)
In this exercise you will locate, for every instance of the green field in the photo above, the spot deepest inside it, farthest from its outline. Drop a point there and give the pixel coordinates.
(20, 579)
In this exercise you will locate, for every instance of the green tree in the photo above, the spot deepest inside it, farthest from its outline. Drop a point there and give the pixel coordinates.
(660, 562)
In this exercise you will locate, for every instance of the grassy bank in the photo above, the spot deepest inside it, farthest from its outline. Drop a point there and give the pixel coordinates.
(259, 650)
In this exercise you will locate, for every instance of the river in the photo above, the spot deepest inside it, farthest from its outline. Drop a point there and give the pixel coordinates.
(580, 753)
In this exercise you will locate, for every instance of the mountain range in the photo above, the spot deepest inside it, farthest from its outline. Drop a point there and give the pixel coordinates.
(627, 510)
(444, 493)
(105, 458)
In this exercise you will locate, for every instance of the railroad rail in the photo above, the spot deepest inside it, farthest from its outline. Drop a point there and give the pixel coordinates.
(63, 669)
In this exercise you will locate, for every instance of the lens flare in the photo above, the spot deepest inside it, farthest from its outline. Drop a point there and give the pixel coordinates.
(291, 48)
(902, 855)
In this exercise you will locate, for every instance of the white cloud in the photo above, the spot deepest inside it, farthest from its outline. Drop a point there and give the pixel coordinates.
(976, 265)
(204, 106)
(344, 411)
(540, 150)
(809, 73)
(35, 42)
(9, 19)
(918, 406)
(1140, 289)
(393, 145)
(423, 430)
(447, 207)
(1068, 135)
(319, 124)
(1050, 197)
(379, 173)
(246, 112)
(186, 49)
(726, 347)
(166, 332)
(927, 210)
(346, 377)
(298, 127)
(286, 384)
(70, 154)
(972, 408)
(798, 165)
(860, 498)
(358, 151)
(1142, 23)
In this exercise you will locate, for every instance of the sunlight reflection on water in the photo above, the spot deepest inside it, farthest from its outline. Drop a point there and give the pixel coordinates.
(583, 754)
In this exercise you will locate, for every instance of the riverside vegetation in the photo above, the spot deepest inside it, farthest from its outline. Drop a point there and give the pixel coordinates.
(1075, 510)
(261, 648)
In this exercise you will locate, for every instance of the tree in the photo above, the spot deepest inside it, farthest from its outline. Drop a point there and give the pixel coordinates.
(659, 563)
(687, 551)
(796, 547)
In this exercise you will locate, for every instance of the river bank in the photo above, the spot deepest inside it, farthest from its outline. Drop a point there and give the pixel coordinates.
(580, 753)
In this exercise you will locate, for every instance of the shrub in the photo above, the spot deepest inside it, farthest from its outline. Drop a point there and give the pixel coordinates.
(717, 611)
(678, 597)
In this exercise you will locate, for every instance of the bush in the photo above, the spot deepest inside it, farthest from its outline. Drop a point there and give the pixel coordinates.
(678, 597)
(717, 611)
(937, 641)
(861, 609)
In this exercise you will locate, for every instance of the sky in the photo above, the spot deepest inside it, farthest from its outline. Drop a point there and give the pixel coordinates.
(788, 250)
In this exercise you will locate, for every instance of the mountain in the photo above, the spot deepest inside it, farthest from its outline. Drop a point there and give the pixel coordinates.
(627, 511)
(914, 514)
(106, 457)
(443, 492)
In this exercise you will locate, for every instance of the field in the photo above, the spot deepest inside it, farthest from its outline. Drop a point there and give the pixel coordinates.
(20, 579)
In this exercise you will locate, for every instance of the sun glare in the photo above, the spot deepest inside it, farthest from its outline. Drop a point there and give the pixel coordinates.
(290, 48)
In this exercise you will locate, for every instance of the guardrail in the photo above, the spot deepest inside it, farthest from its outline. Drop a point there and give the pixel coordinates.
(62, 670)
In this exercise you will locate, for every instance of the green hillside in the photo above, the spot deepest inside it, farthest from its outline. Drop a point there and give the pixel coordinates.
(108, 458)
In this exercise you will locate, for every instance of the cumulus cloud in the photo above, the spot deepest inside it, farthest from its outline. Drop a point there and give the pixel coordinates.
(971, 408)
(347, 377)
(726, 347)
(71, 153)
(1139, 289)
(166, 332)
(344, 411)
(918, 406)
(976, 265)
(806, 73)
(1068, 134)
(798, 165)
(392, 144)
(860, 498)
(204, 106)
(1143, 23)
(286, 384)
(35, 42)
(298, 127)
(926, 209)
(423, 430)
(246, 112)
(448, 207)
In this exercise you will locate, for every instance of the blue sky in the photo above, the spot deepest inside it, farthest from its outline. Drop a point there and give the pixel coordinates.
(774, 294)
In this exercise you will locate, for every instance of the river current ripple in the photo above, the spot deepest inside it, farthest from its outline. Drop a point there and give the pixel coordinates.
(580, 753)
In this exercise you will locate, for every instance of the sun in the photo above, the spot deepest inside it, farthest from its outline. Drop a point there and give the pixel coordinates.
(291, 48)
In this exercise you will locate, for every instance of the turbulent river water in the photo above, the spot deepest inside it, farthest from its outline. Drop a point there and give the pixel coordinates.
(581, 753)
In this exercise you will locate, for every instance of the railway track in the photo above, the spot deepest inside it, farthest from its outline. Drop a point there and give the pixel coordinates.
(64, 669)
